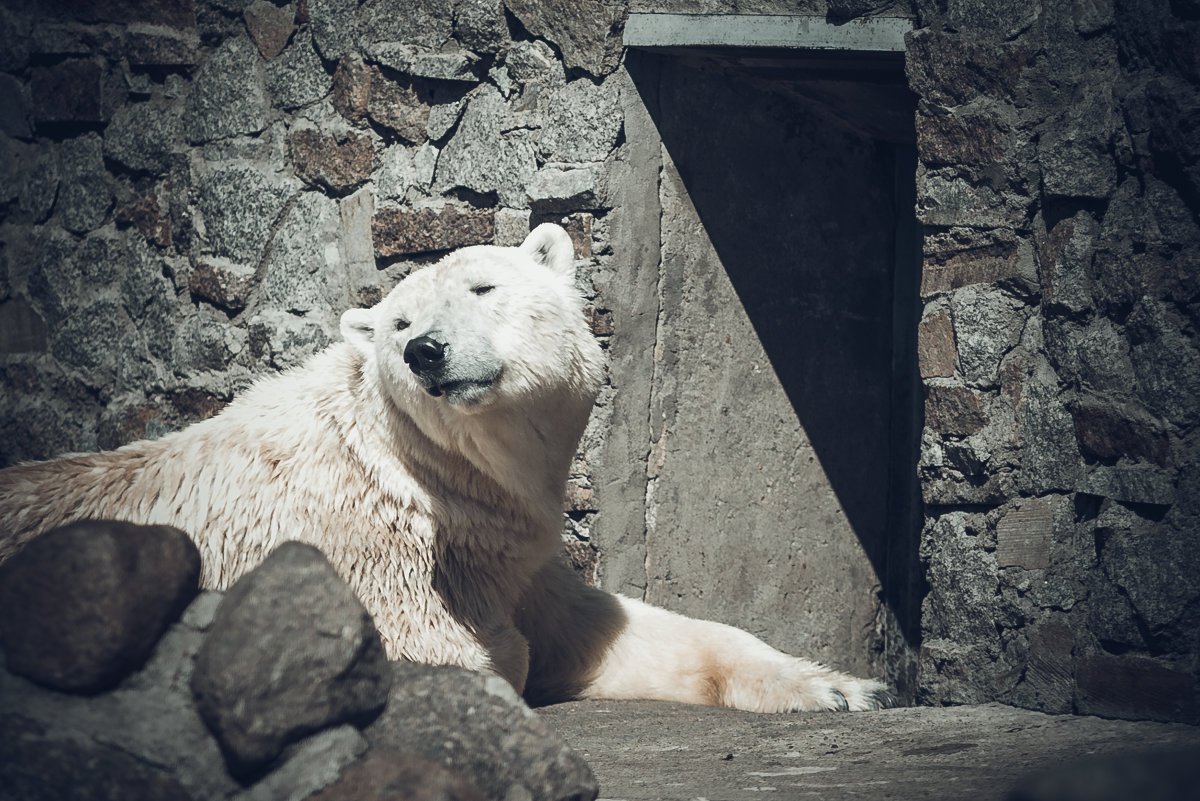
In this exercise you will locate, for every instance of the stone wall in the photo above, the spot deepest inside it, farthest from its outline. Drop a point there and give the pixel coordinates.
(1059, 187)
(191, 191)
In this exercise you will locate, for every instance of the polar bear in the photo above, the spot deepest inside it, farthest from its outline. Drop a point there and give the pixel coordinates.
(426, 455)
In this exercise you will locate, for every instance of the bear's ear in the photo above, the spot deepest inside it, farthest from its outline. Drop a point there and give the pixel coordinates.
(549, 245)
(358, 328)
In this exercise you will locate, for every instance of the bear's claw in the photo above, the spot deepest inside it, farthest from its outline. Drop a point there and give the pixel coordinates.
(882, 699)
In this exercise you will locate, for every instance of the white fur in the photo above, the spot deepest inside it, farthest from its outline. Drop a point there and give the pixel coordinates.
(438, 499)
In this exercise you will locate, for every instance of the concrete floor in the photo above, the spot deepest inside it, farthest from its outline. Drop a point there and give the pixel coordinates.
(672, 752)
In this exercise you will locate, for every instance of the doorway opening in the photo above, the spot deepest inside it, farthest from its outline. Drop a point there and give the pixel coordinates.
(785, 377)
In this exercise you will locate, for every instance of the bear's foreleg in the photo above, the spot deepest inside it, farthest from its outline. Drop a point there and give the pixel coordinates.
(590, 644)
(666, 656)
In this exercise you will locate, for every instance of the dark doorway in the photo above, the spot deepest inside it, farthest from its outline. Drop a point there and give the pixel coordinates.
(784, 488)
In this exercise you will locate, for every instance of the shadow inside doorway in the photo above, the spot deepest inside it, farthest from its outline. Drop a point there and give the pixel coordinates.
(802, 177)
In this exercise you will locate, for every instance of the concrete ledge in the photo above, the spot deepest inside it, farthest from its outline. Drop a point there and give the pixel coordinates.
(872, 35)
(643, 750)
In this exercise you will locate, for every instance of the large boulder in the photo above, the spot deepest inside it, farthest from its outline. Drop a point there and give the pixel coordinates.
(280, 664)
(82, 606)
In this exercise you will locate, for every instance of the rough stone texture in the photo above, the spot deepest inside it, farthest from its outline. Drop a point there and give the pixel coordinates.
(1137, 687)
(452, 716)
(404, 168)
(399, 232)
(964, 257)
(299, 272)
(79, 288)
(142, 137)
(200, 344)
(314, 764)
(1066, 253)
(1074, 150)
(1050, 458)
(279, 664)
(297, 77)
(283, 340)
(427, 24)
(147, 45)
(1107, 434)
(952, 410)
(1023, 536)
(1165, 362)
(511, 227)
(936, 350)
(987, 326)
(443, 117)
(13, 152)
(583, 120)
(147, 730)
(227, 97)
(37, 186)
(15, 36)
(1145, 564)
(416, 62)
(387, 773)
(479, 25)
(556, 190)
(337, 164)
(351, 91)
(144, 209)
(396, 105)
(223, 283)
(83, 605)
(534, 63)
(84, 198)
(239, 207)
(270, 26)
(971, 137)
(34, 767)
(485, 156)
(1060, 251)
(588, 32)
(68, 92)
(950, 198)
(334, 24)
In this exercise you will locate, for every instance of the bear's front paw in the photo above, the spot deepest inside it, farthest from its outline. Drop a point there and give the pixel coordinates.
(802, 686)
(882, 698)
(858, 695)
(838, 692)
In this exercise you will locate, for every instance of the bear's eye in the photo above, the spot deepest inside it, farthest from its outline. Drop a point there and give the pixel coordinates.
(482, 289)
(401, 325)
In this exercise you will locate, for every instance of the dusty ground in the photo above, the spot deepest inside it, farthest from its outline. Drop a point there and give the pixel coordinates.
(671, 752)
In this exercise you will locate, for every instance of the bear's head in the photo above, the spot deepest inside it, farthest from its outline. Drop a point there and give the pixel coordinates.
(486, 327)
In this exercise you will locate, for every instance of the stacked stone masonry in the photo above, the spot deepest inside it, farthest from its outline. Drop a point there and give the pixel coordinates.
(191, 191)
(1059, 184)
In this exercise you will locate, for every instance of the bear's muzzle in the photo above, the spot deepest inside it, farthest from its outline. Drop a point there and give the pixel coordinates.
(428, 358)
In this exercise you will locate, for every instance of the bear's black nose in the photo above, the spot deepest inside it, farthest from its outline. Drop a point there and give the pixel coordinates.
(424, 353)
